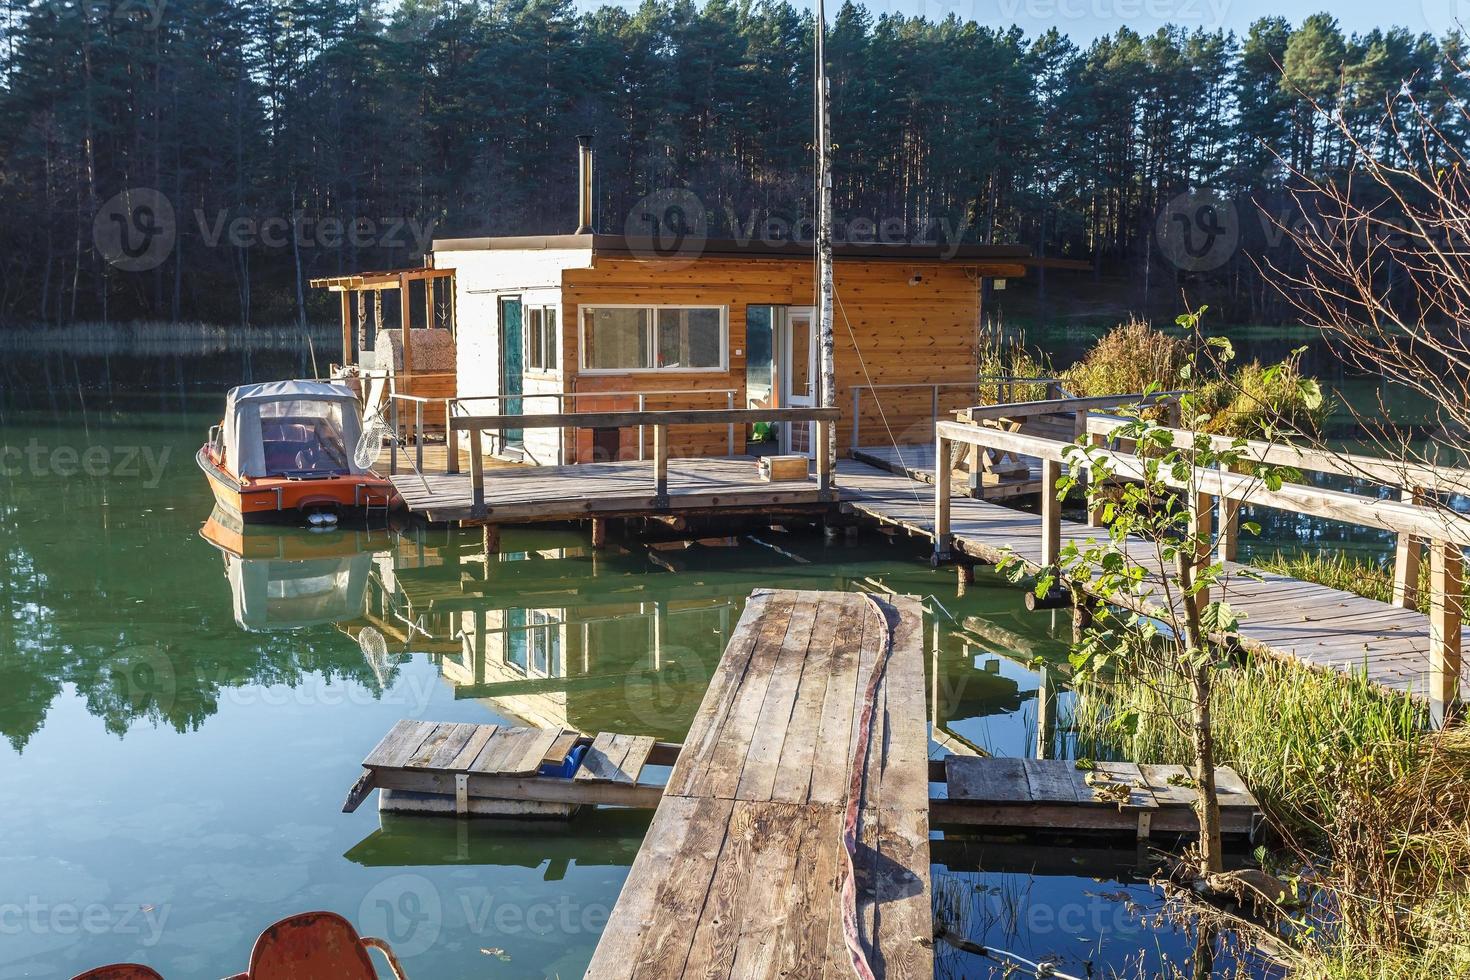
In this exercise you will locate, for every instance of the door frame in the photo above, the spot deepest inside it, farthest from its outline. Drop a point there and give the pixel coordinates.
(513, 437)
(784, 335)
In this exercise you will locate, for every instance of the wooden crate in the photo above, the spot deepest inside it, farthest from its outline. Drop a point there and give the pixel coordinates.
(781, 469)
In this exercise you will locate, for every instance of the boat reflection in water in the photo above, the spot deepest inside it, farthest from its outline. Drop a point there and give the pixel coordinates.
(286, 579)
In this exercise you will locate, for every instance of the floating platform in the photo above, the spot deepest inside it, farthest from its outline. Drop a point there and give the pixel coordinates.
(492, 770)
(1057, 795)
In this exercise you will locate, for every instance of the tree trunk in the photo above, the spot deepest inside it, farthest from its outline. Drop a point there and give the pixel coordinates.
(1207, 808)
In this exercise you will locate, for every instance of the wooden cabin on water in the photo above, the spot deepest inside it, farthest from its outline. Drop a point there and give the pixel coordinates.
(591, 322)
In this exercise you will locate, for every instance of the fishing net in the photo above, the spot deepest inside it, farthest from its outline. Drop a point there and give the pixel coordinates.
(375, 650)
(370, 443)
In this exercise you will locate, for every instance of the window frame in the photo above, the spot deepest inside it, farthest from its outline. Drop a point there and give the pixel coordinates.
(653, 310)
(540, 310)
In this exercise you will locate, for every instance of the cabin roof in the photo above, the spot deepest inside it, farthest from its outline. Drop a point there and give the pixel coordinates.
(725, 248)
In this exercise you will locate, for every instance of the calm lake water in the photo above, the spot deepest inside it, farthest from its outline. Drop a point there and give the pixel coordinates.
(180, 724)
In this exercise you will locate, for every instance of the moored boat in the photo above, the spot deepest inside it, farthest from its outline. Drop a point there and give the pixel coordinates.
(289, 451)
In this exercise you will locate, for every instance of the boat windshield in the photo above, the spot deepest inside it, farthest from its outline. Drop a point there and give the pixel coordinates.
(303, 437)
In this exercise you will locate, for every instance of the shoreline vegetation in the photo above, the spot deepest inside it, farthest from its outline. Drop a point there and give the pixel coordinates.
(188, 338)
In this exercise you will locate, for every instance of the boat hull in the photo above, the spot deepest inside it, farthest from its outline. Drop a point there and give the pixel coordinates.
(280, 500)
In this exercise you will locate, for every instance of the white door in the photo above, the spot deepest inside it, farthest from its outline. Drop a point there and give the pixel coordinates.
(798, 342)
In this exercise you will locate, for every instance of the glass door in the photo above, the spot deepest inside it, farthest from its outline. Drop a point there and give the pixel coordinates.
(799, 376)
(512, 364)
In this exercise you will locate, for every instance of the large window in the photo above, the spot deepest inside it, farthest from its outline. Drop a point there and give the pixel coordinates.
(541, 338)
(653, 338)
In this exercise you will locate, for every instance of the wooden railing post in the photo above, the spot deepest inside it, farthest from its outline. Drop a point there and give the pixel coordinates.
(824, 463)
(1051, 514)
(418, 436)
(1446, 587)
(1095, 512)
(857, 392)
(393, 435)
(941, 499)
(642, 406)
(1229, 529)
(1229, 537)
(1406, 560)
(1201, 527)
(451, 442)
(730, 434)
(347, 329)
(661, 464)
(477, 474)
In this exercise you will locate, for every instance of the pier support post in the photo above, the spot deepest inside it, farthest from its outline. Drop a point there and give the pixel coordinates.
(964, 577)
(1406, 559)
(490, 537)
(599, 533)
(1046, 715)
(1446, 587)
(941, 501)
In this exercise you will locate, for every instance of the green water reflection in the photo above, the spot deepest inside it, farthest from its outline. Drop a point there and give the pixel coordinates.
(183, 707)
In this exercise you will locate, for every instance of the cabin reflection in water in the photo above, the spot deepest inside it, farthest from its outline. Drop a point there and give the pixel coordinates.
(568, 637)
(621, 639)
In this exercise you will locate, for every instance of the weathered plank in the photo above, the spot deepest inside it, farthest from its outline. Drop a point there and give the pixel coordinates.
(752, 889)
(979, 780)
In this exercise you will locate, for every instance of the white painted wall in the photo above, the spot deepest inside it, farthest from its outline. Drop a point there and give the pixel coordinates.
(482, 277)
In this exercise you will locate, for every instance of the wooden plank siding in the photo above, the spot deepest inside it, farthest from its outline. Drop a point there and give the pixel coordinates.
(886, 331)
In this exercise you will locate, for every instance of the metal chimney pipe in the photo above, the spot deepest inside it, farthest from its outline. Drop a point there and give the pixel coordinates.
(584, 185)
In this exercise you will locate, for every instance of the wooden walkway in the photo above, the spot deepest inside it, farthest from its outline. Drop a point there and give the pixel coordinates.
(918, 462)
(586, 490)
(1282, 616)
(740, 874)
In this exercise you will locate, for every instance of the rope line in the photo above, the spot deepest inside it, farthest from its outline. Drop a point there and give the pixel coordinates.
(882, 413)
(855, 788)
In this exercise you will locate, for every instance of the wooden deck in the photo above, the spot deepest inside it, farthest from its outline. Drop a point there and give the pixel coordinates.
(585, 490)
(741, 871)
(917, 462)
(1319, 626)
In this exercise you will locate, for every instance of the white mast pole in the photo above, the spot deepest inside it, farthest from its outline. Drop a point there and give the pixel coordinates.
(827, 366)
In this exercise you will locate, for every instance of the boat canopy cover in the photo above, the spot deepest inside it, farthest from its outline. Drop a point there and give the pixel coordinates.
(284, 428)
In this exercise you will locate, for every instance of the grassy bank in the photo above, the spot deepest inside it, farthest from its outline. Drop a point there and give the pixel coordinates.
(158, 337)
(1372, 811)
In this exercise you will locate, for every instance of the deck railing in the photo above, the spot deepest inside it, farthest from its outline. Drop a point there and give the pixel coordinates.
(658, 421)
(1414, 519)
(450, 408)
(1004, 387)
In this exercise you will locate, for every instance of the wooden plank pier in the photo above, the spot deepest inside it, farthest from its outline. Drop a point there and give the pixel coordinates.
(741, 871)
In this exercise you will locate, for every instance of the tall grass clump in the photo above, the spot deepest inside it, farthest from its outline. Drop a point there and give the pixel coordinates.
(1010, 358)
(1338, 571)
(1375, 809)
(1285, 728)
(1252, 400)
(1128, 359)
